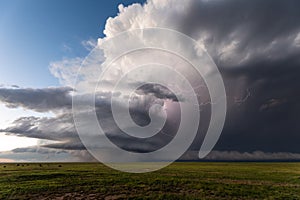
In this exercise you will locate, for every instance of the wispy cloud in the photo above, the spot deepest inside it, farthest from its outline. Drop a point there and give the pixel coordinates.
(89, 44)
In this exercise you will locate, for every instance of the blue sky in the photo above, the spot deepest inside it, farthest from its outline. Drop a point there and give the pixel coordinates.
(34, 33)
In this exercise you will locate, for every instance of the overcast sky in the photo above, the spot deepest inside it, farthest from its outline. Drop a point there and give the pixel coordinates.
(255, 45)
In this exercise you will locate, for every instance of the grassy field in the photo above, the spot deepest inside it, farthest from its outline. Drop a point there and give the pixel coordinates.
(178, 181)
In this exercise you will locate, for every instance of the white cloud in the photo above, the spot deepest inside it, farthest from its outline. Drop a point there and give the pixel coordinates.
(155, 13)
(66, 70)
(297, 40)
(89, 44)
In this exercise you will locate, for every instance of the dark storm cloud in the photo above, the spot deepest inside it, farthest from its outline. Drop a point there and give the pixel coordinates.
(244, 33)
(69, 145)
(61, 130)
(158, 91)
(57, 128)
(40, 150)
(255, 44)
(243, 156)
(40, 100)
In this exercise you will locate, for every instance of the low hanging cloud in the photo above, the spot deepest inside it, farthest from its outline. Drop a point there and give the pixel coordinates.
(61, 130)
(57, 128)
(244, 156)
(40, 100)
(256, 46)
(158, 91)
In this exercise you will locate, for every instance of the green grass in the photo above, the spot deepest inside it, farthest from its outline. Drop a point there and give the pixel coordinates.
(178, 181)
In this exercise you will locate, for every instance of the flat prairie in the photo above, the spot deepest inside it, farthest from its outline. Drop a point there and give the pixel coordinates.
(181, 180)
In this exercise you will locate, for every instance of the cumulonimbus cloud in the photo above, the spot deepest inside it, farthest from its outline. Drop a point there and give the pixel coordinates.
(256, 46)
